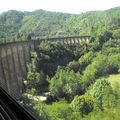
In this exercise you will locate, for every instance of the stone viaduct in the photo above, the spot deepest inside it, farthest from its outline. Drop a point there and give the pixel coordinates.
(14, 57)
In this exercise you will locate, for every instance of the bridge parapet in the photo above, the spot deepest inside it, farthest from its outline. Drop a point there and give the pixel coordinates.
(13, 61)
(67, 40)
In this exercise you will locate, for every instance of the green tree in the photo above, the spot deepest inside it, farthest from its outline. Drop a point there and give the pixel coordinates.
(65, 83)
(34, 79)
(18, 36)
(40, 110)
(59, 110)
(82, 104)
(74, 65)
(103, 94)
(29, 37)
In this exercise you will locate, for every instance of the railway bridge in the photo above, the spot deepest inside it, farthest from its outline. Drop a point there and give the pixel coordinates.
(14, 57)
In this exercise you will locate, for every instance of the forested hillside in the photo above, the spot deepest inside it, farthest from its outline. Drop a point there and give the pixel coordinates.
(74, 78)
(43, 23)
(37, 23)
(81, 81)
(10, 23)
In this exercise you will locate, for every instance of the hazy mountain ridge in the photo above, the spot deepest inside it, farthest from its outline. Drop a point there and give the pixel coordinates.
(44, 23)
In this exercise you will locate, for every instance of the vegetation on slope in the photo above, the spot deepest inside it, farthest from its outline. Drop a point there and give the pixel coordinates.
(43, 23)
(75, 75)
(76, 79)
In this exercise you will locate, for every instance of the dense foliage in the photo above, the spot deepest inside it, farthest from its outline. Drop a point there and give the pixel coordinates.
(52, 54)
(65, 83)
(73, 74)
(48, 24)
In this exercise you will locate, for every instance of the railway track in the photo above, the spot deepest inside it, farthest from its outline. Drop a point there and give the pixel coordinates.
(11, 110)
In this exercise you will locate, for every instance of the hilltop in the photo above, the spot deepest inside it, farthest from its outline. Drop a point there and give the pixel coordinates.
(44, 23)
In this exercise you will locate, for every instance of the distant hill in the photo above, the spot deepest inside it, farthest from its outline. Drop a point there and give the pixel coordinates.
(44, 23)
(38, 23)
(10, 23)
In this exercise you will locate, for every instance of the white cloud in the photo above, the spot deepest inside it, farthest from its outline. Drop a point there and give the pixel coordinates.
(73, 6)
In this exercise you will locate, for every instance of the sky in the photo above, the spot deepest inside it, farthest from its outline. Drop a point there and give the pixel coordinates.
(67, 6)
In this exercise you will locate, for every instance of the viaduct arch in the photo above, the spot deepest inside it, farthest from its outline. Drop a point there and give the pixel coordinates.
(14, 57)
